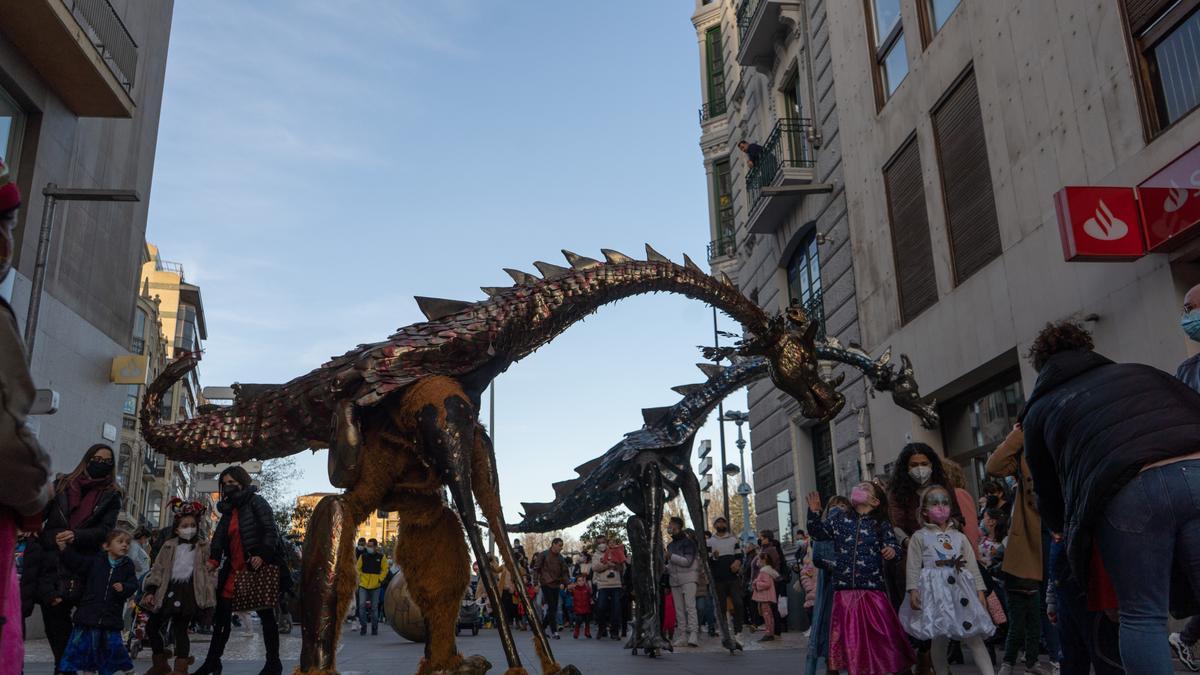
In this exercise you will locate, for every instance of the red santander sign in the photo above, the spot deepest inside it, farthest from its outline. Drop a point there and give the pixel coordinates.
(1100, 224)
(1170, 202)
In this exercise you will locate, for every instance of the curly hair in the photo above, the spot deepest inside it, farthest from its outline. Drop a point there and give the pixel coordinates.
(1064, 336)
(902, 489)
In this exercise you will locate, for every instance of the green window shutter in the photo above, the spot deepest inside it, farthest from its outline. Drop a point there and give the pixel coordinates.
(715, 61)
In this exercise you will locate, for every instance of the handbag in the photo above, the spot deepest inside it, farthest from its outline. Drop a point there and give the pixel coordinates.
(255, 589)
(783, 606)
(996, 609)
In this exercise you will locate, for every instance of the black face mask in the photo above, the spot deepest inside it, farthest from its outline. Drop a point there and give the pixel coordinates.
(230, 491)
(97, 469)
(993, 501)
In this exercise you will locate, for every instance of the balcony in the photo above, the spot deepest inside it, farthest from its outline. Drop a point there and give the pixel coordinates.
(712, 110)
(814, 309)
(81, 48)
(782, 176)
(168, 266)
(724, 247)
(760, 23)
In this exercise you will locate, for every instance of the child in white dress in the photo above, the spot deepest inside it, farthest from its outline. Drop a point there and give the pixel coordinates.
(945, 592)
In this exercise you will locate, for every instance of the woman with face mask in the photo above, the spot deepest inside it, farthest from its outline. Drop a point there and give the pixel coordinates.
(82, 512)
(179, 587)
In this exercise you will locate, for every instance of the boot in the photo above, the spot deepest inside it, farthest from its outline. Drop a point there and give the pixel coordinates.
(209, 667)
(587, 630)
(181, 665)
(924, 663)
(274, 667)
(160, 666)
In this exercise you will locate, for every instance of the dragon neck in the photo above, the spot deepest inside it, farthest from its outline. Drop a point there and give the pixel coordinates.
(688, 415)
(525, 317)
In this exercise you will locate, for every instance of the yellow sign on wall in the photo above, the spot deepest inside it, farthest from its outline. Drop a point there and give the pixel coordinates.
(131, 369)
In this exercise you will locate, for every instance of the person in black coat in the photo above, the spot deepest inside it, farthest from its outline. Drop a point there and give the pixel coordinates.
(81, 514)
(34, 565)
(109, 580)
(1114, 450)
(245, 538)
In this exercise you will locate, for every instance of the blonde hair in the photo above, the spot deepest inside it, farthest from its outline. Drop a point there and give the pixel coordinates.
(921, 504)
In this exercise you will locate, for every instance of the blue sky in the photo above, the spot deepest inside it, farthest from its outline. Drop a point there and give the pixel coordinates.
(321, 163)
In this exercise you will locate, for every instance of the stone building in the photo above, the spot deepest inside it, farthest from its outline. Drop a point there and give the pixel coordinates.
(778, 225)
(81, 88)
(960, 121)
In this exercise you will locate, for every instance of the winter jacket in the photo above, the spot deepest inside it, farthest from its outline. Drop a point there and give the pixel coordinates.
(256, 526)
(606, 572)
(1023, 555)
(204, 583)
(858, 543)
(101, 605)
(682, 560)
(764, 585)
(1091, 425)
(92, 533)
(581, 595)
(1189, 372)
(551, 569)
(808, 582)
(25, 481)
(372, 568)
(723, 551)
(38, 567)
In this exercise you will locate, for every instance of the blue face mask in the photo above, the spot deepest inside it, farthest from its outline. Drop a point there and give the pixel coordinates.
(1190, 322)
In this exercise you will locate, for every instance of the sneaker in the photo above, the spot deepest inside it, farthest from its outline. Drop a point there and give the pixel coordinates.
(1005, 669)
(374, 630)
(1184, 653)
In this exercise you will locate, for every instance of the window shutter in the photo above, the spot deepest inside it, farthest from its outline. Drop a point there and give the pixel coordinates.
(1141, 13)
(910, 232)
(966, 180)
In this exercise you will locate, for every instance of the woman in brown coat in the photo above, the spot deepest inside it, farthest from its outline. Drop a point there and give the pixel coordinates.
(1023, 555)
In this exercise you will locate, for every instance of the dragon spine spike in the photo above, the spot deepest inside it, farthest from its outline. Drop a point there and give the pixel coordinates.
(492, 291)
(726, 280)
(522, 278)
(588, 467)
(652, 415)
(580, 262)
(710, 370)
(438, 308)
(687, 389)
(551, 271)
(655, 256)
(687, 262)
(615, 257)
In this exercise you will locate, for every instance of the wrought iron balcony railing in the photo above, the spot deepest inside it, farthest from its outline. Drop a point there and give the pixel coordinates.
(712, 109)
(110, 36)
(814, 309)
(788, 146)
(745, 15)
(722, 247)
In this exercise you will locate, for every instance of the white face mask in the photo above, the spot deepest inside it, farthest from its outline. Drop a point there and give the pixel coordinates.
(921, 474)
(601, 547)
(187, 533)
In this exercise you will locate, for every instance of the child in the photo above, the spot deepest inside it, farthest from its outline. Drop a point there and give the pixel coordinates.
(820, 557)
(865, 636)
(179, 587)
(945, 591)
(669, 621)
(581, 592)
(764, 594)
(108, 580)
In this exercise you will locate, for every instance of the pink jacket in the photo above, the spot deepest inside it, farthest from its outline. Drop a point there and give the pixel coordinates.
(764, 585)
(808, 580)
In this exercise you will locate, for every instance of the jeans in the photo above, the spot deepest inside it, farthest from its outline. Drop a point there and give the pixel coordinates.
(1089, 639)
(1024, 625)
(731, 590)
(370, 595)
(550, 596)
(704, 610)
(1152, 521)
(684, 597)
(608, 610)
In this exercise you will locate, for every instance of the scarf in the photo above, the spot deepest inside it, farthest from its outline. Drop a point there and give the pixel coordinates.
(82, 495)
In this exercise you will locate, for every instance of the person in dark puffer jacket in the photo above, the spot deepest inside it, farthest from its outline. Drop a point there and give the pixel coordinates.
(1114, 450)
(95, 643)
(246, 537)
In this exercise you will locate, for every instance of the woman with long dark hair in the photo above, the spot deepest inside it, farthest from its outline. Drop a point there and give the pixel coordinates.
(83, 511)
(245, 542)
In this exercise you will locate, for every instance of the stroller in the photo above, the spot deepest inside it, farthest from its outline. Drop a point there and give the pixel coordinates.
(469, 616)
(138, 636)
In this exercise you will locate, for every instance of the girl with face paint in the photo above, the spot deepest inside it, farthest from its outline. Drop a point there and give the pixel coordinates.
(945, 591)
(179, 587)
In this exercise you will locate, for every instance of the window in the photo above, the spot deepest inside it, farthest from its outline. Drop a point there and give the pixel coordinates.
(185, 329)
(723, 190)
(787, 526)
(715, 66)
(971, 221)
(939, 12)
(154, 508)
(915, 279)
(887, 41)
(12, 125)
(164, 409)
(138, 342)
(803, 271)
(822, 447)
(1166, 37)
(131, 399)
(123, 465)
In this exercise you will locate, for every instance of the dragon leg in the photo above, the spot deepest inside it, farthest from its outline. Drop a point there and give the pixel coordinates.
(690, 487)
(645, 540)
(487, 492)
(328, 573)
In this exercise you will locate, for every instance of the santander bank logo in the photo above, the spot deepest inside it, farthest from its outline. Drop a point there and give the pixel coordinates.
(1105, 226)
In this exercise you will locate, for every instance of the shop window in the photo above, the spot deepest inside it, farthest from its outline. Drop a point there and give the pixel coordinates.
(1166, 40)
(913, 253)
(787, 525)
(887, 43)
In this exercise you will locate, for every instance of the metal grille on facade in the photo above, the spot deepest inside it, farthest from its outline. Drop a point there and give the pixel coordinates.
(915, 277)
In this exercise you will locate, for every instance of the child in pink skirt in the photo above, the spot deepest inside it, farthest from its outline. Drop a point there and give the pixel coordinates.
(865, 636)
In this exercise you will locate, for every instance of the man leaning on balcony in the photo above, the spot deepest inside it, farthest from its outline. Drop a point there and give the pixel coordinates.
(753, 151)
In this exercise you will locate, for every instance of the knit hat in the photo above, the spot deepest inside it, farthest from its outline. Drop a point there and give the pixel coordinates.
(10, 195)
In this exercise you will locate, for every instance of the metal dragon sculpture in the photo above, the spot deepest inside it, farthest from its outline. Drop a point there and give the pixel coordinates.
(400, 420)
(649, 466)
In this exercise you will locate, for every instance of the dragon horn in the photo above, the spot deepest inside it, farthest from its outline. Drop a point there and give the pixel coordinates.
(439, 308)
(580, 262)
(687, 262)
(550, 271)
(492, 291)
(710, 370)
(687, 389)
(520, 277)
(655, 256)
(652, 415)
(615, 257)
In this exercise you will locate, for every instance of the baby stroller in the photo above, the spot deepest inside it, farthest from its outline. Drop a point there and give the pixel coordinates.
(469, 616)
(137, 632)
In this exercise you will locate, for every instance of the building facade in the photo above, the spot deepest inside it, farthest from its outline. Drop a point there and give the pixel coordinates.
(778, 226)
(960, 120)
(81, 87)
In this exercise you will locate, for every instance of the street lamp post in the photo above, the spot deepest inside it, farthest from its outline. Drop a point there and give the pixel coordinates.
(53, 194)
(740, 418)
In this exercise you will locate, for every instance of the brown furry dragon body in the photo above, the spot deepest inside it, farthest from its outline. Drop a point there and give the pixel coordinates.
(400, 420)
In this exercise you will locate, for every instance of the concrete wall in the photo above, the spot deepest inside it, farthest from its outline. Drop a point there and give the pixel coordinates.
(1059, 106)
(95, 255)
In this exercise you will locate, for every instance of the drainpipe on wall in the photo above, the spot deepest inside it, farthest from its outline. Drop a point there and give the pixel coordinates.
(866, 460)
